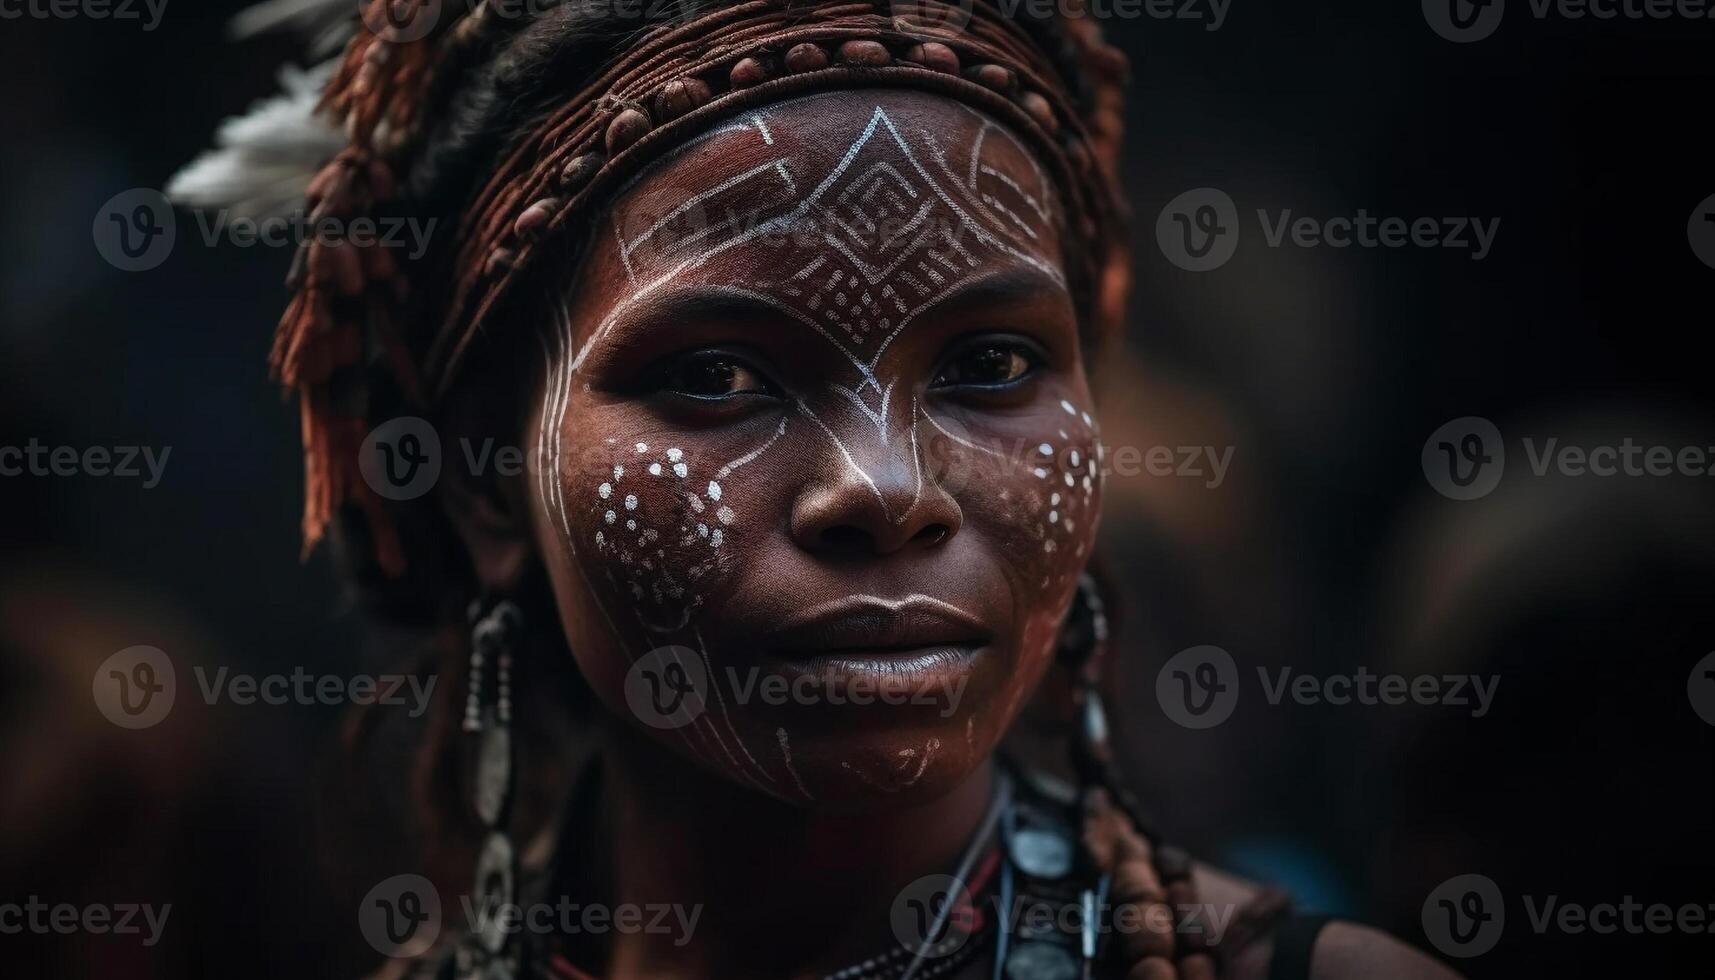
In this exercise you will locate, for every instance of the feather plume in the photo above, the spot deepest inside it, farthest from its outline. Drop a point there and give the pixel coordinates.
(328, 23)
(263, 161)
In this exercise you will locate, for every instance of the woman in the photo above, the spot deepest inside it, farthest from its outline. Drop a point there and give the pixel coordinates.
(790, 306)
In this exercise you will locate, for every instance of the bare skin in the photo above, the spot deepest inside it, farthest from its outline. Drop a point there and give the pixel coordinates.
(814, 410)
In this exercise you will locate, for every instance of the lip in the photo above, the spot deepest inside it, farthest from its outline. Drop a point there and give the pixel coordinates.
(866, 627)
(917, 645)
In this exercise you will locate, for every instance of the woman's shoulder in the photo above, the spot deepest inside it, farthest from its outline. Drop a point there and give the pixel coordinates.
(1340, 950)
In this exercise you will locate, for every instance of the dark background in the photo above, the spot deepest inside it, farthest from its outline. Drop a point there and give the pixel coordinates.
(1325, 548)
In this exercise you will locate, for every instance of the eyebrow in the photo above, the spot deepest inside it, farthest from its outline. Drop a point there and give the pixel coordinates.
(681, 305)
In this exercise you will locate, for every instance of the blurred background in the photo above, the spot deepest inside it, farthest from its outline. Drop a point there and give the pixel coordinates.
(1324, 547)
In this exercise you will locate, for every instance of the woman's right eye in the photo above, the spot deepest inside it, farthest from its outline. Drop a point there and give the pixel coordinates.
(714, 375)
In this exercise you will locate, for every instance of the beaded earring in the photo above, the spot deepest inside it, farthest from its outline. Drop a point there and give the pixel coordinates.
(488, 953)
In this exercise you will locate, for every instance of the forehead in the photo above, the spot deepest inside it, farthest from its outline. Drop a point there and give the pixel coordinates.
(859, 209)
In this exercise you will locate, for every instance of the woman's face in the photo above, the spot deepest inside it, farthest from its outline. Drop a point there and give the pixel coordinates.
(822, 473)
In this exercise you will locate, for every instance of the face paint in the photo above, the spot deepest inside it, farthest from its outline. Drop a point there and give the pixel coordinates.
(853, 252)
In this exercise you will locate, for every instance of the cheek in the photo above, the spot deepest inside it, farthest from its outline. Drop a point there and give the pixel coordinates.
(655, 520)
(1040, 501)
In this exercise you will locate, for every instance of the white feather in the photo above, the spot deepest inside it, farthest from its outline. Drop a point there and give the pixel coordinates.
(330, 22)
(263, 161)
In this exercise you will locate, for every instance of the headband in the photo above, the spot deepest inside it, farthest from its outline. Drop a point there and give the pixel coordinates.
(344, 332)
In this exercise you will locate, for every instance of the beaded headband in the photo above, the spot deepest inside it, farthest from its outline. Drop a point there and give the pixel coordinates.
(345, 324)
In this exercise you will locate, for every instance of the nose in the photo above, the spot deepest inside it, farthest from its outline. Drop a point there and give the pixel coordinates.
(870, 495)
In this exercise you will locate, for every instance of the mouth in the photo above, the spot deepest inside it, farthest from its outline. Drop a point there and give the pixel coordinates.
(915, 643)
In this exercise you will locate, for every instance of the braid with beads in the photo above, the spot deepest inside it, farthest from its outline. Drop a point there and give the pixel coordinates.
(1118, 842)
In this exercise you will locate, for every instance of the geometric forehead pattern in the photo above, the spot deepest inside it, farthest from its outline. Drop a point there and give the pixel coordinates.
(898, 223)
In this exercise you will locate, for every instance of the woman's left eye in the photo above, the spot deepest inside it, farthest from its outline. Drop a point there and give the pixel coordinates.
(714, 374)
(988, 364)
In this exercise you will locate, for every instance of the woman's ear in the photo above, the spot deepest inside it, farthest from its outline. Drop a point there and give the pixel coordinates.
(482, 489)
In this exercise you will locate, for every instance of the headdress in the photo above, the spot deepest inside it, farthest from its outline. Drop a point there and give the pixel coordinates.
(367, 336)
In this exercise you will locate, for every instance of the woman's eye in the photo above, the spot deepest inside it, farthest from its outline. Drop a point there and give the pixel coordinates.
(711, 374)
(991, 364)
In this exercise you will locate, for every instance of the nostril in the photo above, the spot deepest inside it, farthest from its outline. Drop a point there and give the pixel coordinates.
(933, 534)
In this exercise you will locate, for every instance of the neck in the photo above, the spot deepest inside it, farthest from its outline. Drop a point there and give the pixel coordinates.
(754, 886)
